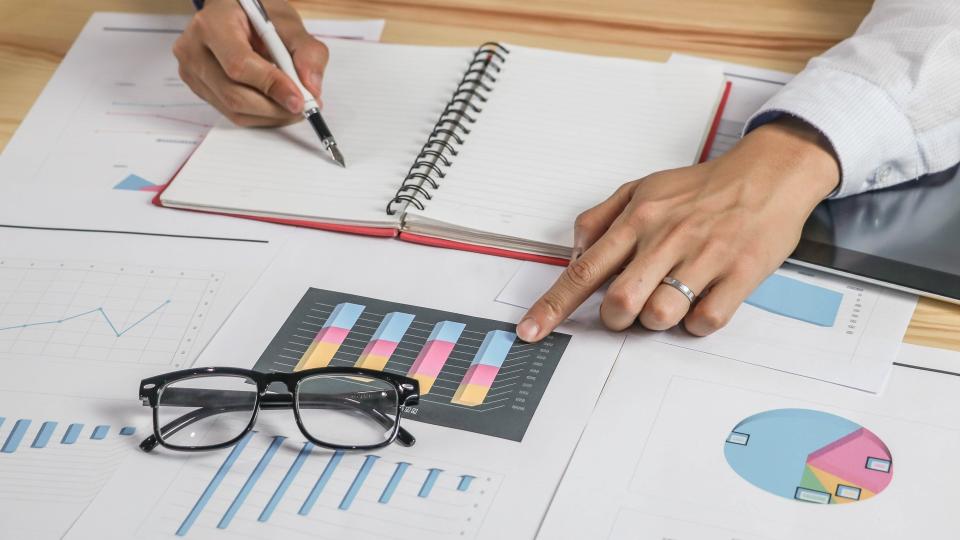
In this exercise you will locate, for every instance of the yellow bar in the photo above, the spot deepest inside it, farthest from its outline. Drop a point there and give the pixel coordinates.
(426, 383)
(318, 355)
(470, 395)
(372, 361)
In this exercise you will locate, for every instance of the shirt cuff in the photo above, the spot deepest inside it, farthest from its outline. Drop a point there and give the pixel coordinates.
(871, 137)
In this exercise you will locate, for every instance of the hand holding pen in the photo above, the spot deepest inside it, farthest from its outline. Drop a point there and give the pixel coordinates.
(225, 61)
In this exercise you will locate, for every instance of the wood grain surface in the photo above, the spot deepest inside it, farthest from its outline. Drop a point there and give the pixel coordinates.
(778, 34)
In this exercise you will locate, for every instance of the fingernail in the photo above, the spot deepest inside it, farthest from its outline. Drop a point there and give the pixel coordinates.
(294, 105)
(577, 252)
(528, 329)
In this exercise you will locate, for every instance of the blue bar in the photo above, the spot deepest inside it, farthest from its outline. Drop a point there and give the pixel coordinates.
(465, 481)
(252, 481)
(797, 300)
(72, 433)
(128, 430)
(428, 483)
(344, 316)
(358, 481)
(100, 432)
(16, 435)
(394, 482)
(321, 482)
(393, 327)
(43, 436)
(1, 421)
(285, 483)
(493, 351)
(212, 486)
(448, 331)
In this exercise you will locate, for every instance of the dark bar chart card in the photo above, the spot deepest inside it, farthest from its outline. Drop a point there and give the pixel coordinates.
(474, 373)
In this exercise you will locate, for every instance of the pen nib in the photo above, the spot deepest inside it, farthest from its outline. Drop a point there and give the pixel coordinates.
(337, 156)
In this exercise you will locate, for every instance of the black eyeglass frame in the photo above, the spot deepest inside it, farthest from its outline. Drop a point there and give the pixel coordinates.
(151, 389)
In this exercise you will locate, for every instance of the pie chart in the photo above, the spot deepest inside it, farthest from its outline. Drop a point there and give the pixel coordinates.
(809, 456)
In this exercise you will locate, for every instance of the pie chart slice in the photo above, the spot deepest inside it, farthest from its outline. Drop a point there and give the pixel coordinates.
(810, 456)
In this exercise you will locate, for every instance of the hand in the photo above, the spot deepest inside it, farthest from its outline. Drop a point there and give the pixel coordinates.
(719, 227)
(224, 62)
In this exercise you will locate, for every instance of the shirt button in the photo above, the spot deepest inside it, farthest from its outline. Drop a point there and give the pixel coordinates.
(882, 175)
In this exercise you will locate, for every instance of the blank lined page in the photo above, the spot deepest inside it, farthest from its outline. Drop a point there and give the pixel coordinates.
(380, 102)
(561, 132)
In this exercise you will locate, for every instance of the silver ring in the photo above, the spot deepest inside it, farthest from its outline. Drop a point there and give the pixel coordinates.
(678, 285)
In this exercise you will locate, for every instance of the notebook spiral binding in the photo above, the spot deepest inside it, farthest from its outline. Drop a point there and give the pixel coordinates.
(451, 128)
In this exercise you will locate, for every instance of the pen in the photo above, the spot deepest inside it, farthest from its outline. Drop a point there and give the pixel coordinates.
(311, 111)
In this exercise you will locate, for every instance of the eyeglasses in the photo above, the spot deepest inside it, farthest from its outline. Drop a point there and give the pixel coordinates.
(337, 408)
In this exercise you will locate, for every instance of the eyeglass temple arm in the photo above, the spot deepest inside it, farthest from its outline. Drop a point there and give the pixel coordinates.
(190, 396)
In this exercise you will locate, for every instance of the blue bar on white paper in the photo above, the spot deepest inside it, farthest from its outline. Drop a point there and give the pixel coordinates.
(100, 432)
(797, 300)
(72, 434)
(321, 483)
(428, 483)
(1, 421)
(127, 430)
(358, 482)
(393, 483)
(15, 436)
(252, 481)
(212, 486)
(43, 436)
(465, 481)
(285, 483)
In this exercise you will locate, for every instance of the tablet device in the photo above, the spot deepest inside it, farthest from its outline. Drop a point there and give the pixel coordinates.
(906, 237)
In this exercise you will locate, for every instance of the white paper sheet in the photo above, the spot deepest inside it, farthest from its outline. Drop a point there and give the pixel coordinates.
(116, 116)
(651, 464)
(515, 479)
(90, 314)
(857, 350)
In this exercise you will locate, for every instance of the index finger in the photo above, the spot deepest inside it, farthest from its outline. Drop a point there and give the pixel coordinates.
(584, 276)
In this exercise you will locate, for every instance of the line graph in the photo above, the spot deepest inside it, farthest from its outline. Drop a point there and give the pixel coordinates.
(113, 313)
(99, 310)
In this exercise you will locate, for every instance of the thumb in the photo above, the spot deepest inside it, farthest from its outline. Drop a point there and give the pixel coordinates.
(310, 57)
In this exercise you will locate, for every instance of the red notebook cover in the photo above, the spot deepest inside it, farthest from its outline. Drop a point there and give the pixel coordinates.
(439, 242)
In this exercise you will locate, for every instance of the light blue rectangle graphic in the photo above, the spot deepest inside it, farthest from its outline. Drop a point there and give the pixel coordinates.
(321, 483)
(448, 331)
(428, 482)
(393, 483)
(344, 316)
(285, 483)
(848, 492)
(493, 351)
(813, 496)
(126, 431)
(465, 481)
(358, 482)
(877, 464)
(72, 434)
(393, 327)
(213, 485)
(15, 436)
(100, 432)
(251, 481)
(43, 436)
(797, 300)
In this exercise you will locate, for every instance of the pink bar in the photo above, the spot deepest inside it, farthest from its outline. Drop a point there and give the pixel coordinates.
(332, 334)
(380, 347)
(481, 375)
(431, 358)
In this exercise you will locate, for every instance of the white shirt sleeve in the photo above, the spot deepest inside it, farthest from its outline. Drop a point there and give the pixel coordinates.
(887, 98)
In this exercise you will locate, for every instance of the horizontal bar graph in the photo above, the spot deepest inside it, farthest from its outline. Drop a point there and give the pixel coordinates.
(256, 464)
(388, 335)
(474, 374)
(20, 434)
(443, 338)
(484, 368)
(331, 335)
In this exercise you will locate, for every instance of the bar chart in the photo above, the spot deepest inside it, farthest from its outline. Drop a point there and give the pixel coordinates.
(306, 490)
(474, 373)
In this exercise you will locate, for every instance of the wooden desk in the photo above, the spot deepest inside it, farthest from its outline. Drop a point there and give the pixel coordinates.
(779, 34)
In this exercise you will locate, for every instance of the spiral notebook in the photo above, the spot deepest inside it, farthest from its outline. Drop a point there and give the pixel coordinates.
(495, 149)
